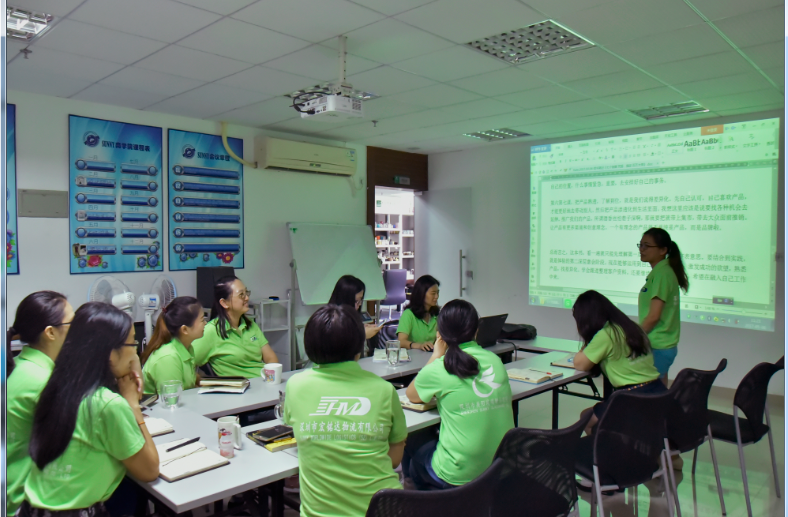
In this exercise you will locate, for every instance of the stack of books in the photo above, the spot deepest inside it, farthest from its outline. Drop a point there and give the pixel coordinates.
(418, 408)
(223, 385)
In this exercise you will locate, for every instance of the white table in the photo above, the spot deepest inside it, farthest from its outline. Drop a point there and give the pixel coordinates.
(542, 344)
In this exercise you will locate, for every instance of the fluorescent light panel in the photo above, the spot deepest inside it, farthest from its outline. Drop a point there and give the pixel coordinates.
(25, 25)
(538, 41)
(670, 110)
(491, 135)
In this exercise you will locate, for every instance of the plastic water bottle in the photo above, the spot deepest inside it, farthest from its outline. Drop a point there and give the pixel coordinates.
(226, 448)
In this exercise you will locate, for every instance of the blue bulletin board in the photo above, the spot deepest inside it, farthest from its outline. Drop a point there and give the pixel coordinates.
(11, 232)
(115, 196)
(205, 200)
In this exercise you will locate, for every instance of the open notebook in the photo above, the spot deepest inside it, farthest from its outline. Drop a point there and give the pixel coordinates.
(533, 375)
(157, 426)
(223, 385)
(566, 362)
(418, 408)
(187, 460)
(380, 355)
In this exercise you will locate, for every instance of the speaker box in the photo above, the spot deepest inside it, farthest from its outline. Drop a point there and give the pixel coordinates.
(206, 278)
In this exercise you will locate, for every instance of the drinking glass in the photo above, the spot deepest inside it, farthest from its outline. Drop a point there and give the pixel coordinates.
(170, 393)
(392, 352)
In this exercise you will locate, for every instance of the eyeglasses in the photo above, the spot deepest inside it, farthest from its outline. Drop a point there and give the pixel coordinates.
(63, 324)
(643, 245)
(359, 302)
(135, 344)
(244, 294)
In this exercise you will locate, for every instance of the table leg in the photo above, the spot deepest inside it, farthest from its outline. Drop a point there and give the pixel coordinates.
(277, 498)
(555, 408)
(607, 388)
(516, 412)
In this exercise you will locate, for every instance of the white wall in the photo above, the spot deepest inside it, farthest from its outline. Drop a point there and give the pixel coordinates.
(499, 178)
(272, 199)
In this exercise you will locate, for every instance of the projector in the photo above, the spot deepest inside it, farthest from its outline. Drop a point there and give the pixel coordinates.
(332, 108)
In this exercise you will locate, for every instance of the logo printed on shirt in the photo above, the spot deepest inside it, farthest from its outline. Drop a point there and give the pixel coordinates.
(353, 406)
(488, 378)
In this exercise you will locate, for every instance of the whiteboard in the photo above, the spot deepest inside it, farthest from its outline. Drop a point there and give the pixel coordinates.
(325, 252)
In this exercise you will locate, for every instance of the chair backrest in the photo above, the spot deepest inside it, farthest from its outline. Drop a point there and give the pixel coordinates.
(470, 500)
(394, 280)
(388, 332)
(688, 417)
(630, 436)
(538, 471)
(750, 395)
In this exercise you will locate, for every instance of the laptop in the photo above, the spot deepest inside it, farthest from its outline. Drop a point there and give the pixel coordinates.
(490, 330)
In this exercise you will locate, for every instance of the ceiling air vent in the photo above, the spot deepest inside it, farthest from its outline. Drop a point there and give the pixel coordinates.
(670, 110)
(492, 135)
(538, 41)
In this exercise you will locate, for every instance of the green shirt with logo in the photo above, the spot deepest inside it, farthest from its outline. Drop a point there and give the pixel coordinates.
(662, 283)
(417, 329)
(344, 419)
(25, 384)
(240, 355)
(91, 467)
(170, 362)
(611, 353)
(475, 414)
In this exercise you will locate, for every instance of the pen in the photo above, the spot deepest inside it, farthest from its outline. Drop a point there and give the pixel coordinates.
(187, 442)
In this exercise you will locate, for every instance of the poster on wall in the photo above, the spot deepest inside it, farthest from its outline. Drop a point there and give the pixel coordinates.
(205, 200)
(115, 196)
(11, 237)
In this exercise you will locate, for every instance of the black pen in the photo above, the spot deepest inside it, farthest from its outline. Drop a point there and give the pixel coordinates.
(187, 442)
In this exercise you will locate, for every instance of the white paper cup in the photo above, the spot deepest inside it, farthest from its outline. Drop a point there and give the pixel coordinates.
(272, 373)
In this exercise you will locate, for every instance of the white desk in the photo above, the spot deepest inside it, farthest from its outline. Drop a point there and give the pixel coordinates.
(542, 344)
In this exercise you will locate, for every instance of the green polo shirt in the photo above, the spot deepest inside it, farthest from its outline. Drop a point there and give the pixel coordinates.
(611, 354)
(25, 384)
(662, 283)
(475, 414)
(240, 355)
(344, 419)
(91, 468)
(417, 329)
(170, 362)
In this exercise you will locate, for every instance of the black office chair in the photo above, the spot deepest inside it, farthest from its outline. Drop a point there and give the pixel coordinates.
(688, 420)
(388, 332)
(206, 370)
(394, 280)
(750, 398)
(627, 447)
(538, 471)
(473, 499)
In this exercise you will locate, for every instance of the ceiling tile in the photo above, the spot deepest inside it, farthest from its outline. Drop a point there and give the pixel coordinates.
(475, 109)
(462, 21)
(768, 96)
(268, 80)
(411, 121)
(625, 20)
(320, 62)
(350, 133)
(699, 68)
(307, 19)
(301, 126)
(590, 62)
(385, 80)
(770, 55)
(644, 99)
(777, 75)
(435, 96)
(191, 63)
(541, 97)
(716, 9)
(98, 42)
(755, 28)
(12, 49)
(243, 41)
(162, 20)
(581, 109)
(754, 109)
(223, 7)
(150, 81)
(557, 10)
(621, 82)
(377, 109)
(606, 119)
(543, 114)
(43, 82)
(116, 96)
(545, 128)
(208, 100)
(698, 40)
(500, 82)
(392, 7)
(720, 86)
(64, 64)
(389, 41)
(57, 8)
(260, 114)
(451, 63)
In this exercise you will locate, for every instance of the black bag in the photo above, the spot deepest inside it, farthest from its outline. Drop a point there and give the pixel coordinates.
(519, 331)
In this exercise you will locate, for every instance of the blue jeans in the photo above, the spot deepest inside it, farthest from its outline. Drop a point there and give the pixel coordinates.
(421, 472)
(663, 358)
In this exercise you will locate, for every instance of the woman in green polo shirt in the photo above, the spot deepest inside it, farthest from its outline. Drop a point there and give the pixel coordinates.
(348, 422)
(349, 291)
(42, 322)
(474, 400)
(615, 343)
(232, 343)
(418, 323)
(659, 299)
(169, 355)
(88, 430)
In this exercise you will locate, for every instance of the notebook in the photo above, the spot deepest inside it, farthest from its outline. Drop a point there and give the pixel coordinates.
(281, 444)
(418, 408)
(565, 362)
(157, 426)
(224, 385)
(532, 375)
(187, 460)
(380, 355)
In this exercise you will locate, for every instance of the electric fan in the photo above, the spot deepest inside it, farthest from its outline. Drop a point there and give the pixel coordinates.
(162, 293)
(108, 289)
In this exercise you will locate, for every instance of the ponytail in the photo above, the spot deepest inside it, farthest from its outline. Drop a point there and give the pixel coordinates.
(9, 359)
(160, 336)
(458, 322)
(183, 310)
(663, 240)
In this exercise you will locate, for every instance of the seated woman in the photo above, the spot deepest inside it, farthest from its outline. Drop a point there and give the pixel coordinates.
(417, 325)
(88, 429)
(348, 422)
(169, 356)
(617, 344)
(350, 291)
(474, 400)
(42, 322)
(232, 343)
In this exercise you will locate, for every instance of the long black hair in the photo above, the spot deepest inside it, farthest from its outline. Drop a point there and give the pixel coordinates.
(458, 322)
(346, 290)
(592, 310)
(35, 313)
(334, 334)
(183, 310)
(663, 240)
(81, 368)
(417, 294)
(223, 290)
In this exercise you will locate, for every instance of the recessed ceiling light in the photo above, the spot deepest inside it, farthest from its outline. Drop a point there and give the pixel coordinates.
(670, 110)
(538, 41)
(25, 25)
(497, 134)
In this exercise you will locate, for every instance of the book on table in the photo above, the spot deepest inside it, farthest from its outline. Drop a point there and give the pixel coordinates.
(568, 361)
(186, 461)
(533, 375)
(157, 426)
(418, 408)
(380, 355)
(223, 385)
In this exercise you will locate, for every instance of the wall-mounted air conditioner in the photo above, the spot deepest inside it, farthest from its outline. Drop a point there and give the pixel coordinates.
(289, 155)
